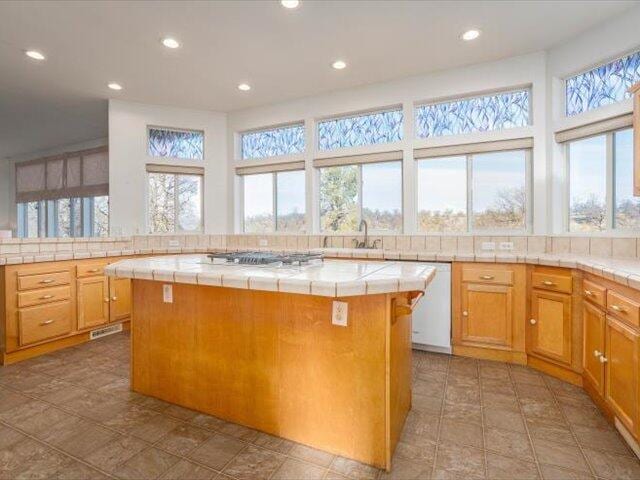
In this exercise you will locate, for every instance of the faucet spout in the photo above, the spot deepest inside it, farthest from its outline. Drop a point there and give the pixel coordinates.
(363, 222)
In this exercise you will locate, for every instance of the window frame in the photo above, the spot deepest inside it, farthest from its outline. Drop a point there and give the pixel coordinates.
(176, 230)
(528, 227)
(175, 129)
(610, 207)
(371, 231)
(274, 204)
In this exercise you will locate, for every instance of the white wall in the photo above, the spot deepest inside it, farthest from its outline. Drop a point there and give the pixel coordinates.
(513, 72)
(128, 157)
(6, 194)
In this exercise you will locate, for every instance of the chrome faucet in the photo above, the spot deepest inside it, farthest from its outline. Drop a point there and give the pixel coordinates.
(365, 243)
(325, 240)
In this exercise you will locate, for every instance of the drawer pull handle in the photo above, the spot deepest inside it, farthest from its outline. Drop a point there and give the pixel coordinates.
(487, 277)
(548, 283)
(617, 308)
(603, 359)
(45, 297)
(588, 293)
(533, 321)
(597, 353)
(47, 280)
(47, 322)
(465, 314)
(93, 270)
(114, 298)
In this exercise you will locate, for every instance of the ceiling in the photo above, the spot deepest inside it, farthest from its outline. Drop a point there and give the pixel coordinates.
(282, 54)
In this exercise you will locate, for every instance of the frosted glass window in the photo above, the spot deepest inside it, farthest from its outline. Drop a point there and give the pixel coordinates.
(290, 201)
(270, 143)
(382, 196)
(627, 207)
(588, 184)
(479, 114)
(604, 85)
(358, 130)
(499, 193)
(184, 144)
(258, 203)
(442, 194)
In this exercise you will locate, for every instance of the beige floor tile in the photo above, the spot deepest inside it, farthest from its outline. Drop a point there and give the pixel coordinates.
(311, 455)
(296, 470)
(427, 404)
(415, 448)
(239, 431)
(33, 417)
(9, 437)
(551, 472)
(271, 442)
(181, 413)
(509, 443)
(503, 419)
(217, 451)
(605, 440)
(612, 466)
(461, 433)
(10, 399)
(504, 468)
(73, 470)
(403, 469)
(463, 412)
(183, 439)
(500, 400)
(115, 452)
(462, 461)
(186, 470)
(558, 433)
(154, 428)
(543, 410)
(254, 463)
(79, 438)
(567, 456)
(588, 417)
(352, 469)
(148, 464)
(207, 421)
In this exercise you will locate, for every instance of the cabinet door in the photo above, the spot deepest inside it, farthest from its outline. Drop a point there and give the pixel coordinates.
(594, 322)
(487, 315)
(550, 326)
(93, 301)
(120, 305)
(621, 372)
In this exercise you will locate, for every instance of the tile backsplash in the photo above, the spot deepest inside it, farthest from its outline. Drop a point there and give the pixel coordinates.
(597, 246)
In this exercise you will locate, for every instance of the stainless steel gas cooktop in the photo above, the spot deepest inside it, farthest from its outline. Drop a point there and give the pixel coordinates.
(270, 259)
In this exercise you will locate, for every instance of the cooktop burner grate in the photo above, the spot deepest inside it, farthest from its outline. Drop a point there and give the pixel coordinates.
(265, 258)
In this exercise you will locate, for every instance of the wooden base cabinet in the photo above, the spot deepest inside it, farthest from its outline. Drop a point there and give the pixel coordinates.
(594, 324)
(487, 315)
(119, 299)
(550, 326)
(621, 372)
(93, 301)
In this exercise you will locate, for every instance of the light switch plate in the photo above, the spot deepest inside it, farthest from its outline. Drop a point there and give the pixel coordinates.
(488, 245)
(167, 293)
(339, 314)
(506, 246)
(263, 242)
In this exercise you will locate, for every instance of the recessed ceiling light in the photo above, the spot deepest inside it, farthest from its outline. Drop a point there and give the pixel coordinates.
(170, 42)
(36, 55)
(471, 35)
(115, 86)
(290, 3)
(339, 65)
(244, 87)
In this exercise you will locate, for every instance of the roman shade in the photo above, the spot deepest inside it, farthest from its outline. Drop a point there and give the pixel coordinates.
(174, 169)
(471, 148)
(595, 128)
(358, 159)
(274, 167)
(83, 173)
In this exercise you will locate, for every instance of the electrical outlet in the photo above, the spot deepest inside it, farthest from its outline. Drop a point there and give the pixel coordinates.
(339, 315)
(263, 242)
(506, 246)
(174, 243)
(488, 245)
(167, 293)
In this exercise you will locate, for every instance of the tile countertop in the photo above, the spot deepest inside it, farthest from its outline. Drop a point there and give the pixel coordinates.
(332, 278)
(622, 270)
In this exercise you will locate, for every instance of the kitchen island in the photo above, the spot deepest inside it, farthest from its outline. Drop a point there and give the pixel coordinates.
(271, 348)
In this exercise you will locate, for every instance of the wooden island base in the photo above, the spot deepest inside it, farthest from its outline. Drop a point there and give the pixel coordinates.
(275, 362)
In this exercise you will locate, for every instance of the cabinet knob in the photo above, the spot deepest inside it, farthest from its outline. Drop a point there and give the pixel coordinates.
(588, 293)
(114, 298)
(617, 308)
(603, 359)
(597, 353)
(548, 283)
(106, 299)
(465, 314)
(487, 277)
(533, 321)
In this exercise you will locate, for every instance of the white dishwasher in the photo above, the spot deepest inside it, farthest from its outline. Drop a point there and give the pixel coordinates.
(432, 315)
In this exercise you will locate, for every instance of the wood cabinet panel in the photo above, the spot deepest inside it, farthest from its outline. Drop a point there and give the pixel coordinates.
(550, 326)
(93, 301)
(594, 293)
(594, 324)
(487, 315)
(90, 269)
(45, 295)
(623, 308)
(28, 282)
(485, 275)
(44, 322)
(552, 281)
(120, 301)
(621, 372)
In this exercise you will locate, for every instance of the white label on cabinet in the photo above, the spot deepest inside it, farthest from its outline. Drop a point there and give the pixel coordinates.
(167, 293)
(339, 315)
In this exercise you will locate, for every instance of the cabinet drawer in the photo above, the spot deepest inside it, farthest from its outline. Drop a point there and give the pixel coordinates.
(551, 281)
(44, 322)
(595, 293)
(90, 270)
(479, 275)
(29, 282)
(45, 295)
(623, 308)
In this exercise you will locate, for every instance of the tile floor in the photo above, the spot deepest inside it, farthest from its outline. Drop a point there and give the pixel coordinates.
(70, 415)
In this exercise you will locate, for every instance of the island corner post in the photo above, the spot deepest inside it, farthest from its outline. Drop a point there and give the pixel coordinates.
(275, 362)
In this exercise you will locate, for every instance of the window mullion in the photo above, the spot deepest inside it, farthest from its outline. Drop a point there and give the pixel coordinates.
(609, 181)
(469, 193)
(176, 206)
(274, 194)
(360, 199)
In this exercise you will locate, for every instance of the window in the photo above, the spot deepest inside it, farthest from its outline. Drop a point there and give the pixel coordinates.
(370, 192)
(603, 85)
(274, 142)
(590, 185)
(64, 217)
(175, 202)
(185, 144)
(358, 130)
(478, 114)
(475, 192)
(274, 201)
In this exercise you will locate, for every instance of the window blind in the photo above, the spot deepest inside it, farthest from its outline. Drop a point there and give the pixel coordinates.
(274, 167)
(595, 128)
(83, 173)
(470, 148)
(357, 159)
(174, 169)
